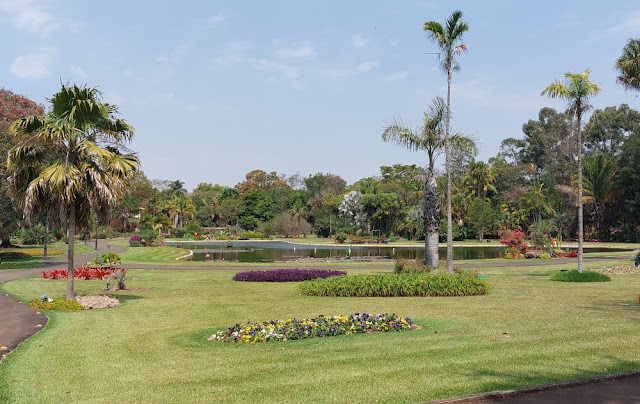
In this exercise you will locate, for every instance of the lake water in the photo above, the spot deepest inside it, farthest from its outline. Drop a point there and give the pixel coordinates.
(279, 251)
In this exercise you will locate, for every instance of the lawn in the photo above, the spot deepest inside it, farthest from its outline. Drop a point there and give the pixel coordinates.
(154, 348)
(36, 260)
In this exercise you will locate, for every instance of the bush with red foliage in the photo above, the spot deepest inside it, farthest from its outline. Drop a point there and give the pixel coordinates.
(571, 254)
(514, 241)
(82, 273)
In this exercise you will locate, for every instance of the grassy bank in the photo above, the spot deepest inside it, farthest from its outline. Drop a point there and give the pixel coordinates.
(153, 348)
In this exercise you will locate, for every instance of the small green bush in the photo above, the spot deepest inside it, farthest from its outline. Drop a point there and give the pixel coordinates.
(59, 303)
(545, 256)
(14, 255)
(396, 285)
(405, 266)
(575, 276)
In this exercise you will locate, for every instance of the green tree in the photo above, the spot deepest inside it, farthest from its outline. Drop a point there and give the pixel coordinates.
(577, 89)
(599, 186)
(607, 129)
(482, 216)
(479, 179)
(431, 139)
(71, 161)
(628, 65)
(180, 207)
(448, 38)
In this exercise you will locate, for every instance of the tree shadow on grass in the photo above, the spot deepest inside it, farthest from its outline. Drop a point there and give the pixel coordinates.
(509, 380)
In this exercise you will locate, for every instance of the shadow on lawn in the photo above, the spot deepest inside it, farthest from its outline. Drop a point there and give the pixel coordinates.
(509, 380)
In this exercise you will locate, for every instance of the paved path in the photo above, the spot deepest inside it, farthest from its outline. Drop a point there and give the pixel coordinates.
(19, 321)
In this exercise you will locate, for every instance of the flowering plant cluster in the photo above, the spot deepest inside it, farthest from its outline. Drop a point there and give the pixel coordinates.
(619, 269)
(285, 275)
(317, 327)
(135, 237)
(83, 273)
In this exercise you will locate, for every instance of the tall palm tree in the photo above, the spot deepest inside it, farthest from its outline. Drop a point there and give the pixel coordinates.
(431, 139)
(71, 161)
(180, 206)
(628, 65)
(577, 89)
(448, 39)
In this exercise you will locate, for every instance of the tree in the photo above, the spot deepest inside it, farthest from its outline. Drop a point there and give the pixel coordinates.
(71, 162)
(479, 179)
(431, 139)
(352, 210)
(12, 107)
(448, 39)
(607, 129)
(180, 207)
(577, 89)
(482, 216)
(628, 65)
(599, 186)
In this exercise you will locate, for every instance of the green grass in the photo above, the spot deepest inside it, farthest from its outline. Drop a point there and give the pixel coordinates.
(575, 276)
(154, 348)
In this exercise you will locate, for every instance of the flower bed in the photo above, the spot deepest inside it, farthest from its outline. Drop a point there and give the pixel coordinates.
(82, 273)
(285, 275)
(317, 327)
(619, 270)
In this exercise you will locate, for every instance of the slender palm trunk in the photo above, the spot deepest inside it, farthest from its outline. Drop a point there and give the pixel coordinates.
(431, 216)
(71, 236)
(447, 164)
(580, 213)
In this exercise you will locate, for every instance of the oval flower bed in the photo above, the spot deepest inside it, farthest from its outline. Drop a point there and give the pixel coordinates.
(82, 273)
(317, 327)
(285, 275)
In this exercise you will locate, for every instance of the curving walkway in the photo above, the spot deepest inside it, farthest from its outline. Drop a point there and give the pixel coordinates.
(19, 322)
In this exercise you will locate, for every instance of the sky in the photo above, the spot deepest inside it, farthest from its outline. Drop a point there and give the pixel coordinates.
(216, 89)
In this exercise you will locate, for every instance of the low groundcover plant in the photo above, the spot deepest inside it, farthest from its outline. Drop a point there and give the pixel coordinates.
(285, 275)
(317, 327)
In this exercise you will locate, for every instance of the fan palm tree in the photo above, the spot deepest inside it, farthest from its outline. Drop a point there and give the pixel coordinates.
(628, 65)
(431, 139)
(448, 39)
(71, 161)
(577, 89)
(599, 185)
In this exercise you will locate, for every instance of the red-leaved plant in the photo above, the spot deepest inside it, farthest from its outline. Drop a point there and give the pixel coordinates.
(514, 241)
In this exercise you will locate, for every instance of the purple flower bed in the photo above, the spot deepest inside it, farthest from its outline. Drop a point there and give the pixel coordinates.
(285, 275)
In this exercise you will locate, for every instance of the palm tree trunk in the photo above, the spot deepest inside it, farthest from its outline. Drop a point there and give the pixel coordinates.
(447, 164)
(431, 221)
(71, 236)
(580, 213)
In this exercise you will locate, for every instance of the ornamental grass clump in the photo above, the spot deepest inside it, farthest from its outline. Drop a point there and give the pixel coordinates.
(285, 275)
(575, 276)
(318, 327)
(397, 285)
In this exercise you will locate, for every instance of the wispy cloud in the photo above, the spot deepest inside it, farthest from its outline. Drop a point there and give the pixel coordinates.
(363, 67)
(234, 53)
(359, 41)
(174, 56)
(631, 24)
(33, 65)
(401, 75)
(297, 51)
(215, 20)
(29, 16)
(287, 71)
(79, 72)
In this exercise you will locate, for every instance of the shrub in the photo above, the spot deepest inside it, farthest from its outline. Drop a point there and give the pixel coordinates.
(82, 273)
(109, 259)
(415, 266)
(575, 276)
(148, 236)
(545, 256)
(251, 234)
(514, 241)
(341, 237)
(14, 255)
(193, 228)
(36, 235)
(285, 275)
(571, 254)
(318, 327)
(397, 285)
(59, 303)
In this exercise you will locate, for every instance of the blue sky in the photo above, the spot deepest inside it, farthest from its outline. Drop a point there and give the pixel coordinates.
(216, 89)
